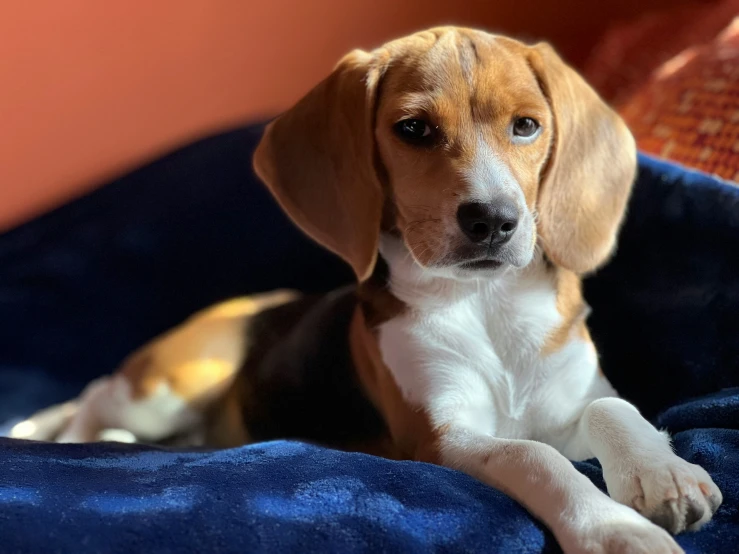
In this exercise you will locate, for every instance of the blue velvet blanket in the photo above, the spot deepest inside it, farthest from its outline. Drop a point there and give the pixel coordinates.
(84, 285)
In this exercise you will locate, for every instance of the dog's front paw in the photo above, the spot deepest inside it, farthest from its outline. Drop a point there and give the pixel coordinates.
(671, 492)
(618, 530)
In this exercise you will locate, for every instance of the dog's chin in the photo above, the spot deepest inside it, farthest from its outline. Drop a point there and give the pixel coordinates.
(479, 269)
(485, 264)
(474, 269)
(464, 262)
(488, 267)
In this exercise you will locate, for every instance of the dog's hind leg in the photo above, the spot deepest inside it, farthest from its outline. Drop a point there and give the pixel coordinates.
(46, 424)
(166, 388)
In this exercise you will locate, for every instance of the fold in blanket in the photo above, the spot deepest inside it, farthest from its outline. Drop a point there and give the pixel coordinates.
(84, 285)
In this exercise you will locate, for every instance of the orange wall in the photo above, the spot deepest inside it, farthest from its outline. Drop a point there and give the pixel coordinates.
(89, 88)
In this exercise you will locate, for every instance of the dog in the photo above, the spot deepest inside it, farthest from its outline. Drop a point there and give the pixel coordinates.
(470, 181)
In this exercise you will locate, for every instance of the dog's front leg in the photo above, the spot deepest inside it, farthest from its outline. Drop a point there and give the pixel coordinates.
(641, 470)
(582, 518)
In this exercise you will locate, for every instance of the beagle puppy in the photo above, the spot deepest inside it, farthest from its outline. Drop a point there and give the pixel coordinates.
(470, 181)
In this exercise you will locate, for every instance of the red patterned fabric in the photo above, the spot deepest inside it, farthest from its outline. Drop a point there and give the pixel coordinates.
(681, 97)
(629, 52)
(689, 110)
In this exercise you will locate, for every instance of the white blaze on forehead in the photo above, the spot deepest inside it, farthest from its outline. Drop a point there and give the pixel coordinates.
(489, 176)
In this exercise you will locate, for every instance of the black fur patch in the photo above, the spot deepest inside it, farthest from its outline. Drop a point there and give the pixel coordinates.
(298, 381)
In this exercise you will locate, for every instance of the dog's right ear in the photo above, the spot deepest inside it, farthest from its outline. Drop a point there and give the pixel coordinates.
(317, 159)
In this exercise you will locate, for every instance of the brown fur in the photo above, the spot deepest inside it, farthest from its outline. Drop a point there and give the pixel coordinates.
(590, 173)
(410, 429)
(333, 161)
(337, 145)
(198, 359)
(571, 306)
(427, 83)
(339, 171)
(324, 177)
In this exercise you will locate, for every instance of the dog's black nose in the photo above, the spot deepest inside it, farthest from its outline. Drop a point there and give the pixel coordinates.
(494, 222)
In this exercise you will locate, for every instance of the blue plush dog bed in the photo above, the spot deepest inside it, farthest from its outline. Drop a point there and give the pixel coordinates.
(84, 285)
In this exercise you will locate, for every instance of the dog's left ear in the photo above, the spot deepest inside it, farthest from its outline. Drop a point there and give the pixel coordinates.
(590, 172)
(317, 159)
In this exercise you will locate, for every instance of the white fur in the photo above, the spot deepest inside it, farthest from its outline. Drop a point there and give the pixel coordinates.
(478, 344)
(489, 176)
(107, 404)
(470, 354)
(489, 179)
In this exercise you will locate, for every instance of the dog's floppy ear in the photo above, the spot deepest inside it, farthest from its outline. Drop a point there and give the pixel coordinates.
(590, 172)
(317, 159)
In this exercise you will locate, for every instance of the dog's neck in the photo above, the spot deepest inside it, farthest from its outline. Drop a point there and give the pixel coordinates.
(422, 289)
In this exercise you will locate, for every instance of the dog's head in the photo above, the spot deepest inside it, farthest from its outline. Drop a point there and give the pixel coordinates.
(469, 147)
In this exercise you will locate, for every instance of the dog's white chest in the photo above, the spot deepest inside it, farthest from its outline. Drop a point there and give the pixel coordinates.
(476, 355)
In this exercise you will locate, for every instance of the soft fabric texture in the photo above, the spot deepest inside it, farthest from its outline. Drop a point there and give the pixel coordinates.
(84, 285)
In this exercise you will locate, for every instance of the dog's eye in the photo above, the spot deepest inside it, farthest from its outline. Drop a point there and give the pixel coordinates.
(525, 127)
(414, 131)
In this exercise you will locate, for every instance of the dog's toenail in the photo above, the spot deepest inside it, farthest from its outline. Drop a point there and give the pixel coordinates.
(668, 517)
(694, 513)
